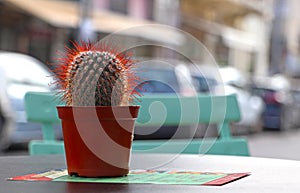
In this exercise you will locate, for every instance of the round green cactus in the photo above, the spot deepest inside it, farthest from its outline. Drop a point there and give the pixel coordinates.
(95, 75)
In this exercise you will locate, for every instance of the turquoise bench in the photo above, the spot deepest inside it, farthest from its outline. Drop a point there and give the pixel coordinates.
(155, 110)
(40, 107)
(203, 109)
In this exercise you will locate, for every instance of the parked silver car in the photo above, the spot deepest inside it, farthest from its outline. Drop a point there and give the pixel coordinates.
(19, 74)
(162, 77)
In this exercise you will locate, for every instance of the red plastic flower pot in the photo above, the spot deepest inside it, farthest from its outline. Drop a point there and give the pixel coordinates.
(98, 139)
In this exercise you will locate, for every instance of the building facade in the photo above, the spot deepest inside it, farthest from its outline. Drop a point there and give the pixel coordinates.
(237, 33)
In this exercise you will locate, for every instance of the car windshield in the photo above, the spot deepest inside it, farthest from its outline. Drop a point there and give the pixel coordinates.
(158, 81)
(24, 69)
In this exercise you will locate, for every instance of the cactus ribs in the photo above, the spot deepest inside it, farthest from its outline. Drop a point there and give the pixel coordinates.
(95, 75)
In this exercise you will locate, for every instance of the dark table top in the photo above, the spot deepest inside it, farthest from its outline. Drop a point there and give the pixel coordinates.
(267, 175)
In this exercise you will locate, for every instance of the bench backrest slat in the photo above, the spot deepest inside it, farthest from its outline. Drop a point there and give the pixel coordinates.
(41, 107)
(174, 110)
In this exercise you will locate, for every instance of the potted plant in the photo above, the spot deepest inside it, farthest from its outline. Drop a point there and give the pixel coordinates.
(95, 81)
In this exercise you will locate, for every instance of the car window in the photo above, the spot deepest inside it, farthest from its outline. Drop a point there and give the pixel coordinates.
(23, 69)
(153, 86)
(203, 84)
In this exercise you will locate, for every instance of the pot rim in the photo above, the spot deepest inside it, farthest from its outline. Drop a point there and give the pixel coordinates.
(99, 112)
(123, 106)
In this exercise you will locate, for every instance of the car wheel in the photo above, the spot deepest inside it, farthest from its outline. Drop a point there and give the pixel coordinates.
(285, 119)
(258, 127)
(4, 142)
(2, 122)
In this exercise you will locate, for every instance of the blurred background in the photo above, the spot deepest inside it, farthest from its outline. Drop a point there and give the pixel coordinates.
(255, 44)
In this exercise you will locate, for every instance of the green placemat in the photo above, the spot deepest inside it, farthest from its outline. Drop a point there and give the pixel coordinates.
(141, 177)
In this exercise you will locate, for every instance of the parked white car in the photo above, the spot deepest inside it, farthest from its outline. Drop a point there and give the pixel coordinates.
(19, 74)
(251, 106)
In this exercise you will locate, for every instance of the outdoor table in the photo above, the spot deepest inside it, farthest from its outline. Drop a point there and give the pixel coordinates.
(267, 175)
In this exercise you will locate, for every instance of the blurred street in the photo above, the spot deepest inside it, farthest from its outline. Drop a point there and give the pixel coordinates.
(274, 144)
(271, 144)
(250, 49)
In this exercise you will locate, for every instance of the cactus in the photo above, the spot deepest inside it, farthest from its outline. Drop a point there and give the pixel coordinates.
(95, 75)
